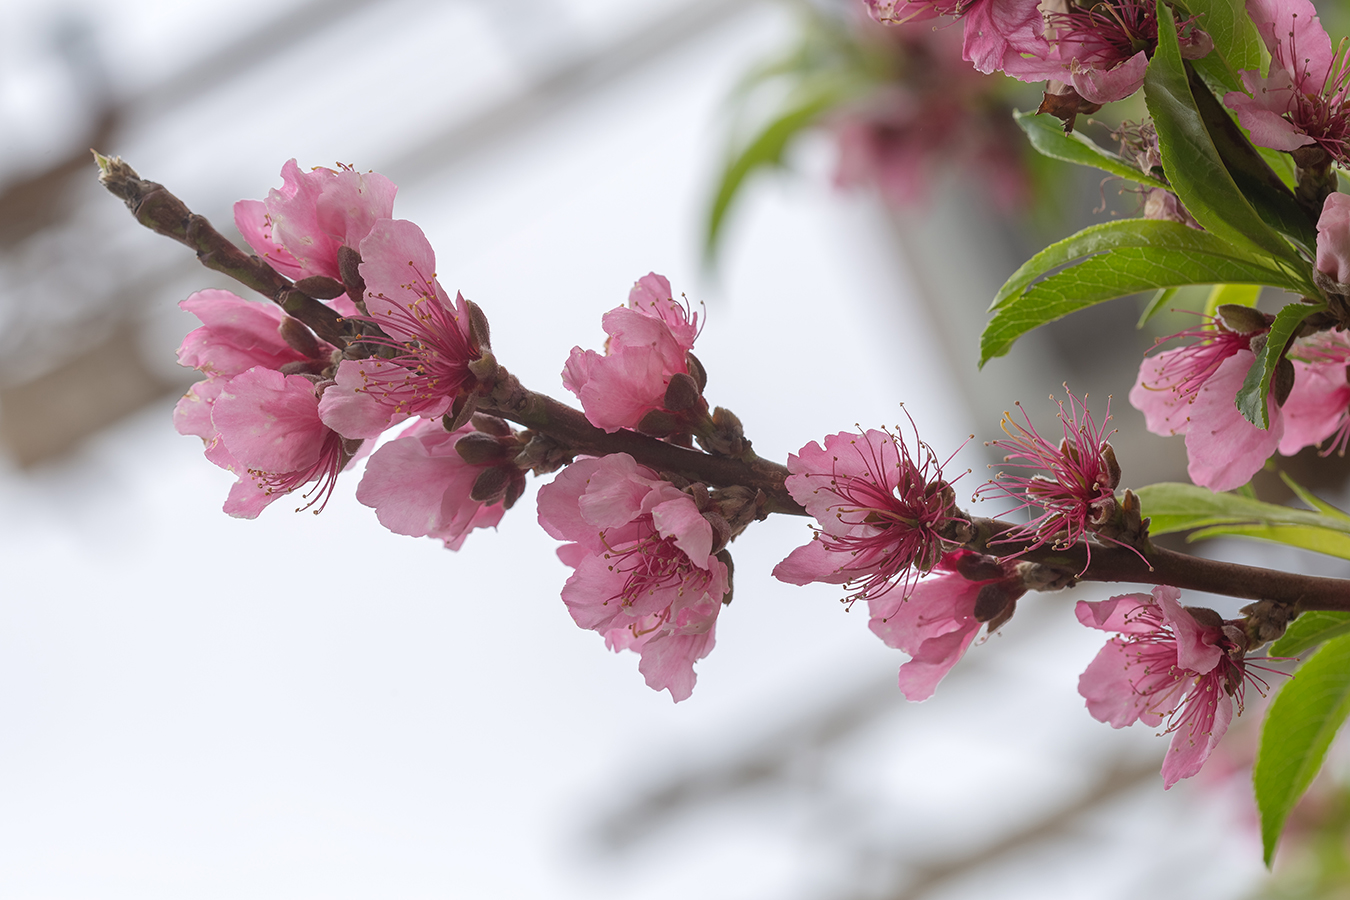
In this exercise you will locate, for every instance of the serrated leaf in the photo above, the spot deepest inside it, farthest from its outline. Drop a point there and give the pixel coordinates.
(765, 150)
(1309, 630)
(1106, 276)
(1303, 718)
(1234, 294)
(1046, 134)
(1194, 168)
(1134, 233)
(1174, 506)
(1160, 300)
(1251, 397)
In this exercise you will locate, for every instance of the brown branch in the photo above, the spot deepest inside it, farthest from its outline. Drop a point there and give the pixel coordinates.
(163, 213)
(569, 426)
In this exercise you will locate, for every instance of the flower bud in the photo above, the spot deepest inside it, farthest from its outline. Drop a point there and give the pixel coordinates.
(349, 267)
(1243, 319)
(490, 485)
(721, 530)
(300, 338)
(696, 370)
(491, 425)
(725, 557)
(321, 287)
(514, 488)
(681, 393)
(478, 325)
(478, 449)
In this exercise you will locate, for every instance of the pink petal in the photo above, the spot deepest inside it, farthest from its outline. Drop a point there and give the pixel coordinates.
(1317, 407)
(269, 421)
(1225, 449)
(1199, 732)
(1333, 238)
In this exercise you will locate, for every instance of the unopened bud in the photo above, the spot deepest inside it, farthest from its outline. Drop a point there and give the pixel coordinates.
(461, 410)
(491, 425)
(478, 449)
(1205, 616)
(300, 339)
(490, 485)
(1243, 319)
(659, 423)
(725, 557)
(349, 268)
(700, 374)
(682, 393)
(478, 325)
(514, 488)
(721, 530)
(321, 287)
(1112, 467)
(975, 567)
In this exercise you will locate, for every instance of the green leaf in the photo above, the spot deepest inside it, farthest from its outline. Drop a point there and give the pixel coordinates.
(1137, 233)
(1047, 135)
(1173, 507)
(1191, 257)
(1268, 194)
(1193, 165)
(1313, 500)
(1309, 630)
(1303, 718)
(1282, 164)
(1235, 294)
(1155, 306)
(765, 151)
(1251, 397)
(1234, 35)
(1305, 537)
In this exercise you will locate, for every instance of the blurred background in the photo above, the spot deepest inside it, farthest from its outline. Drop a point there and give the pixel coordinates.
(301, 706)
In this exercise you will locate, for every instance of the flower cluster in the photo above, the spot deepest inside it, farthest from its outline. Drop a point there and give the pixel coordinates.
(281, 408)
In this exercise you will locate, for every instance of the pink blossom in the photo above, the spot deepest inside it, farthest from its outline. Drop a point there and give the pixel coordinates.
(1000, 35)
(431, 339)
(236, 334)
(649, 343)
(1105, 48)
(268, 432)
(1303, 99)
(1224, 449)
(1168, 382)
(248, 398)
(299, 228)
(880, 510)
(1168, 662)
(647, 577)
(420, 485)
(1333, 238)
(1318, 407)
(937, 622)
(1073, 482)
(899, 139)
